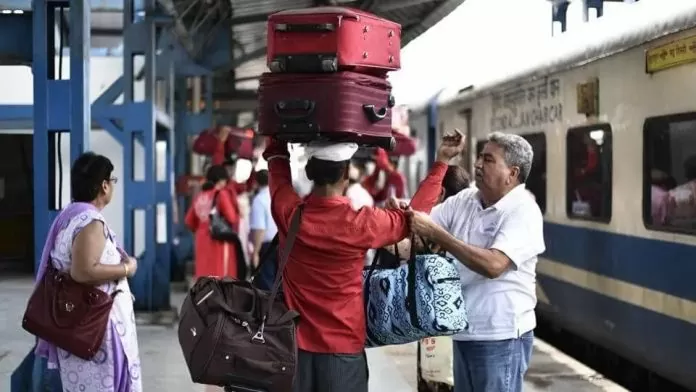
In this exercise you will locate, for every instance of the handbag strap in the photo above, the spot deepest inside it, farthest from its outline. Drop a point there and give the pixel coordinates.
(284, 257)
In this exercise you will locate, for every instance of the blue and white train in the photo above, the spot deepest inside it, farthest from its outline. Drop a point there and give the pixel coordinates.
(611, 114)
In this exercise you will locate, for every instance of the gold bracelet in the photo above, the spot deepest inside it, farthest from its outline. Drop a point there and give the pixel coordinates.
(125, 268)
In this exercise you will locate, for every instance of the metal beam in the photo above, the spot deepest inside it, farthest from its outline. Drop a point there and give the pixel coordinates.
(385, 6)
(442, 10)
(246, 19)
(179, 27)
(253, 55)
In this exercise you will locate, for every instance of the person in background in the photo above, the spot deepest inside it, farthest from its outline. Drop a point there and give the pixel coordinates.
(263, 229)
(394, 184)
(86, 247)
(323, 278)
(681, 200)
(212, 257)
(358, 195)
(496, 233)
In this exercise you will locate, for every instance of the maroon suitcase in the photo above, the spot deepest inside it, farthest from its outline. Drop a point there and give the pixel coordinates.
(341, 106)
(328, 39)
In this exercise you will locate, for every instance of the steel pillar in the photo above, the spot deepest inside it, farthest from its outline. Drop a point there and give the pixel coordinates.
(559, 12)
(60, 106)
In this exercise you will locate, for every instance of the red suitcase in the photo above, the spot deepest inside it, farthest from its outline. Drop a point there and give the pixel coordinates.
(328, 39)
(239, 143)
(342, 106)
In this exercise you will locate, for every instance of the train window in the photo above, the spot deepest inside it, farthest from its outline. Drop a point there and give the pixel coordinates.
(536, 183)
(669, 175)
(588, 173)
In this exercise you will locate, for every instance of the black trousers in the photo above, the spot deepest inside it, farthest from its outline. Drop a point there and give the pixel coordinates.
(331, 372)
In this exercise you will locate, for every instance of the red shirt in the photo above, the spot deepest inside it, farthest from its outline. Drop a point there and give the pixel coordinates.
(323, 278)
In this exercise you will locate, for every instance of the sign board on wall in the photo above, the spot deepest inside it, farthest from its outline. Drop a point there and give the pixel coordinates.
(529, 105)
(675, 53)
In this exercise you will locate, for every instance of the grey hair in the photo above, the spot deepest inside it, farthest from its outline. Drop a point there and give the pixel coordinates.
(518, 152)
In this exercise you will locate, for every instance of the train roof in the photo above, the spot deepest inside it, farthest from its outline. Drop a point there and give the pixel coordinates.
(642, 22)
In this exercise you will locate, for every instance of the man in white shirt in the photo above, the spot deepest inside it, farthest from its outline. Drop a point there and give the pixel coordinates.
(496, 233)
(263, 229)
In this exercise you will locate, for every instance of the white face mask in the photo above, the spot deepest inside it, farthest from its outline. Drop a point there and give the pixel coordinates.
(370, 168)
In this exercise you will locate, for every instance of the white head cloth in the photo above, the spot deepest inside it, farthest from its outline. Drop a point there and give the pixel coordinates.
(334, 152)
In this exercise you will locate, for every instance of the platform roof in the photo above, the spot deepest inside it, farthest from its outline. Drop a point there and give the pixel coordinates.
(247, 20)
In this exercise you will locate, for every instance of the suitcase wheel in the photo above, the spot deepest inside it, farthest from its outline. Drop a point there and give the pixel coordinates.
(303, 106)
(389, 144)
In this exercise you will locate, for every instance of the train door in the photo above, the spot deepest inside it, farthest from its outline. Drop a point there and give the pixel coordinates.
(465, 160)
(16, 204)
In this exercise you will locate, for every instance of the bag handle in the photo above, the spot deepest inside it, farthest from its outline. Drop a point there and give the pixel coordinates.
(284, 256)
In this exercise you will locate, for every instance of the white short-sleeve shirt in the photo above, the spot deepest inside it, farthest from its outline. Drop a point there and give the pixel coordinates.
(501, 308)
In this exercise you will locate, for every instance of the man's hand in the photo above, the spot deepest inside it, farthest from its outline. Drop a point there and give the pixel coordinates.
(421, 224)
(452, 144)
(396, 204)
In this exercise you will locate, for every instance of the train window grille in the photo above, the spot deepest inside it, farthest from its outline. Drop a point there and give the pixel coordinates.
(669, 173)
(536, 182)
(588, 173)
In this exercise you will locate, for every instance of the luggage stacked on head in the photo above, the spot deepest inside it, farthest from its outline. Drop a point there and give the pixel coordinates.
(328, 78)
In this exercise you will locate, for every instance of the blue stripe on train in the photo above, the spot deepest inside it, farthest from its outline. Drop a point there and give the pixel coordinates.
(658, 342)
(663, 266)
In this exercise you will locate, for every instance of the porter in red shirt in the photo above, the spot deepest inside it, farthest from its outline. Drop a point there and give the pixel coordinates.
(323, 278)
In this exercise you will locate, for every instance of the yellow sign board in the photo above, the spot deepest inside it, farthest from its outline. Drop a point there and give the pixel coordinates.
(670, 55)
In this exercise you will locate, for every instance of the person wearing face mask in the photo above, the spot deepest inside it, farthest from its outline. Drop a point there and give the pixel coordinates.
(495, 231)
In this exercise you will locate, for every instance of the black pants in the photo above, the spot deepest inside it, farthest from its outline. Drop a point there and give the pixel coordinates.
(269, 268)
(331, 372)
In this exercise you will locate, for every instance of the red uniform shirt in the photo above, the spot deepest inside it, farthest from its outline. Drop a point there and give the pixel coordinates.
(323, 278)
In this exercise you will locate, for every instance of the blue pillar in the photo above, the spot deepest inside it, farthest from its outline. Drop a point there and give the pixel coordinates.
(151, 284)
(60, 106)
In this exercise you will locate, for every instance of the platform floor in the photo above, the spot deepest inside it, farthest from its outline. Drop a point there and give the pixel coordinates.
(392, 369)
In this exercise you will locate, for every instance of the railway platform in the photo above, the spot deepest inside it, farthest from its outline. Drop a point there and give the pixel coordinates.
(392, 369)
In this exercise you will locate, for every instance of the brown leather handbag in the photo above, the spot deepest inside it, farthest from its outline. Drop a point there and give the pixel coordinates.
(237, 336)
(68, 314)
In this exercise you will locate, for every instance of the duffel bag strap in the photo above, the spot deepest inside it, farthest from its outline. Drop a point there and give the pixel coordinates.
(284, 256)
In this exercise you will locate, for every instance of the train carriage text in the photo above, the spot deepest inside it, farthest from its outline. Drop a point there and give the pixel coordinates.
(528, 106)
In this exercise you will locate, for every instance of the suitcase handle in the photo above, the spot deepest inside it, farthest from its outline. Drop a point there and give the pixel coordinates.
(301, 104)
(374, 114)
(305, 27)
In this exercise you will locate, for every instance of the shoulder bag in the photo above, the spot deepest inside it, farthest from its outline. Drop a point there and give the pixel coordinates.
(237, 336)
(420, 299)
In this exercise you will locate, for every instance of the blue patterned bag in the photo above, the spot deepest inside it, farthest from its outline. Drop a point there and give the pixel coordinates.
(414, 301)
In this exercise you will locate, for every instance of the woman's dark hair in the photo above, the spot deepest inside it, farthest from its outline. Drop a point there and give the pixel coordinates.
(456, 179)
(325, 172)
(87, 174)
(215, 174)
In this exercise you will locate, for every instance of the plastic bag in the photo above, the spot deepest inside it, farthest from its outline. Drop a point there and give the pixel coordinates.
(436, 360)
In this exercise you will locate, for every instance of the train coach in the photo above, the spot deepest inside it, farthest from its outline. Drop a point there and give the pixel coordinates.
(611, 116)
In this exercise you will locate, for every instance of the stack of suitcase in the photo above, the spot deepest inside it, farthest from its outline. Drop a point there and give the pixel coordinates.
(328, 78)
